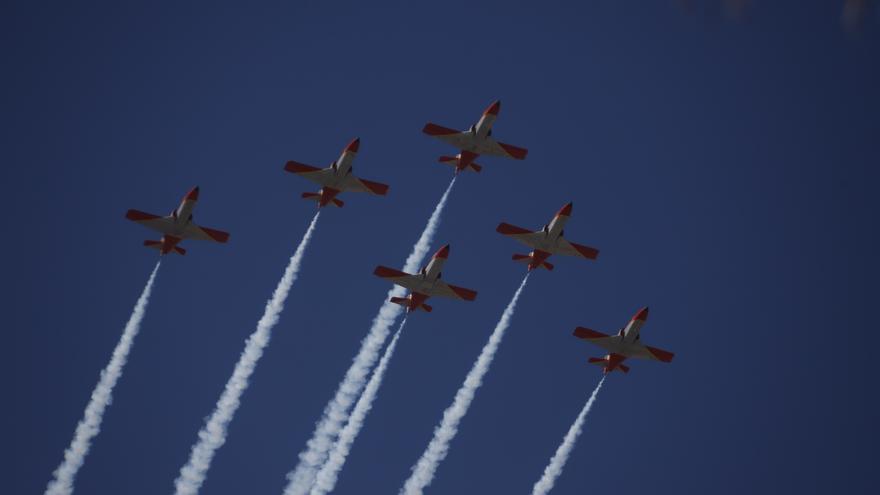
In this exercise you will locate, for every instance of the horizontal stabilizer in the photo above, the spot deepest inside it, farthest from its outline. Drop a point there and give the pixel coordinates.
(400, 300)
(337, 203)
(311, 195)
(153, 244)
(593, 360)
(624, 368)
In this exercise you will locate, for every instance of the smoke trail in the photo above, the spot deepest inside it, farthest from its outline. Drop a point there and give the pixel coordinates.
(301, 479)
(557, 462)
(90, 425)
(423, 471)
(213, 434)
(326, 478)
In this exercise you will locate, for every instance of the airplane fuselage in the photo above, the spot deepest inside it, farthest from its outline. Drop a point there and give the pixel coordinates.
(552, 233)
(182, 216)
(430, 274)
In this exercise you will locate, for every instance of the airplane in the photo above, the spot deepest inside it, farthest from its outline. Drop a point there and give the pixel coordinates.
(177, 226)
(424, 285)
(336, 178)
(474, 142)
(626, 344)
(547, 241)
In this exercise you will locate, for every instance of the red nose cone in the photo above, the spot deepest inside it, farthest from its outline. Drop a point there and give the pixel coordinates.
(565, 211)
(642, 314)
(493, 108)
(443, 253)
(192, 195)
(353, 145)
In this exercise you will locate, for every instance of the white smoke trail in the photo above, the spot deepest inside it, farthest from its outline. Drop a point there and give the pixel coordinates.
(557, 462)
(326, 478)
(423, 471)
(301, 479)
(213, 434)
(90, 424)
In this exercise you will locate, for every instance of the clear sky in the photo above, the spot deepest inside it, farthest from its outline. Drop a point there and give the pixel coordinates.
(726, 171)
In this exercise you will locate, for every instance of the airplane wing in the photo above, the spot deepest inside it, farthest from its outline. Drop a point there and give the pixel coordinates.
(352, 183)
(442, 289)
(459, 139)
(600, 339)
(525, 236)
(403, 279)
(641, 351)
(572, 249)
(193, 231)
(495, 148)
(322, 176)
(160, 224)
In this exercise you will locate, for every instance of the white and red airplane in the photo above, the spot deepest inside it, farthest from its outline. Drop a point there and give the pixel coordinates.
(424, 285)
(547, 241)
(474, 142)
(336, 178)
(177, 226)
(626, 344)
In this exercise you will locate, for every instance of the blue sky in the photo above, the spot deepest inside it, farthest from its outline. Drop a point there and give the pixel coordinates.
(725, 170)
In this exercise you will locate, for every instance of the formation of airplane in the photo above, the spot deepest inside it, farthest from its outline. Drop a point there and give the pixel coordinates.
(474, 142)
(626, 344)
(177, 226)
(425, 284)
(547, 241)
(338, 178)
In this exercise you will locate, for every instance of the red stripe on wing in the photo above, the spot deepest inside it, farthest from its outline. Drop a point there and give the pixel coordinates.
(507, 229)
(217, 235)
(385, 272)
(376, 187)
(299, 168)
(466, 294)
(660, 354)
(586, 333)
(586, 251)
(514, 151)
(438, 130)
(137, 215)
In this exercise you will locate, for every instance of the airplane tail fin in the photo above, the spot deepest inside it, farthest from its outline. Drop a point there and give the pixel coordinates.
(405, 302)
(158, 245)
(604, 363)
(317, 197)
(525, 258)
(456, 162)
